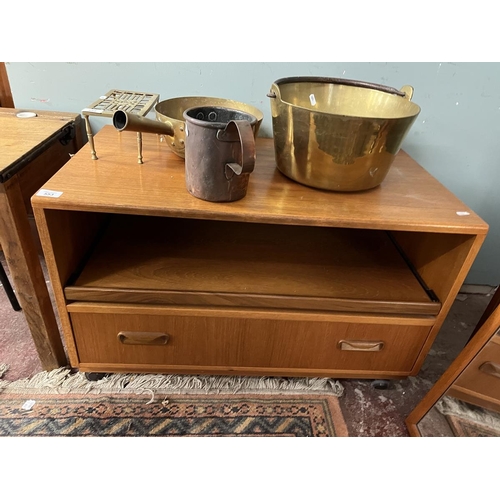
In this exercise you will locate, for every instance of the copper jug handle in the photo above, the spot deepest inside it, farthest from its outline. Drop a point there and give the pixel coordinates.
(239, 131)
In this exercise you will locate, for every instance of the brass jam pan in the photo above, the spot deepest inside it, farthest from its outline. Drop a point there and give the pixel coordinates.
(337, 134)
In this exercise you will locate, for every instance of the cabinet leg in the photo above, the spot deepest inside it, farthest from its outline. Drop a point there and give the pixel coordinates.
(381, 384)
(94, 376)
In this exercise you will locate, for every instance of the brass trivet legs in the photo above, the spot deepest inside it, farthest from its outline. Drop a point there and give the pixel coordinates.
(139, 148)
(90, 137)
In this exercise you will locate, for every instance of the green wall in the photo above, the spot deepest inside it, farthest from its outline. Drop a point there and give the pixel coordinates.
(456, 136)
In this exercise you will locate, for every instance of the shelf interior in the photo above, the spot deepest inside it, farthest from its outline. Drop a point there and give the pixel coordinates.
(188, 261)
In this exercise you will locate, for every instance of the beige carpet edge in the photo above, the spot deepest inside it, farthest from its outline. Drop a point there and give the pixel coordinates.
(62, 381)
(456, 408)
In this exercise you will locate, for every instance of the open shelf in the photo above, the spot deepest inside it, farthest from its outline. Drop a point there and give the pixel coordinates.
(161, 260)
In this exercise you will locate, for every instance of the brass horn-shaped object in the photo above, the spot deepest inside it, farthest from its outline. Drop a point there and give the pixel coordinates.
(135, 123)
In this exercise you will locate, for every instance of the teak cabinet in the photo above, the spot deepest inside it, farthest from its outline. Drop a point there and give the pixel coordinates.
(288, 281)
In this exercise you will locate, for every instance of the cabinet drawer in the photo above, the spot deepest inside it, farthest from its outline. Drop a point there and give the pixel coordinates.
(195, 339)
(481, 379)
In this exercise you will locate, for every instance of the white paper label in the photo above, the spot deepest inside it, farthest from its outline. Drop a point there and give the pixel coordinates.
(312, 99)
(49, 194)
(28, 404)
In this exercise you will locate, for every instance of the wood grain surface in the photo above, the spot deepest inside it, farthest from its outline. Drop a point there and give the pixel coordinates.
(21, 254)
(6, 100)
(478, 386)
(20, 136)
(211, 337)
(159, 259)
(485, 335)
(66, 239)
(409, 198)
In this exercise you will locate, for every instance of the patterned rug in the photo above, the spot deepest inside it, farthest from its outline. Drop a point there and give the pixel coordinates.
(66, 404)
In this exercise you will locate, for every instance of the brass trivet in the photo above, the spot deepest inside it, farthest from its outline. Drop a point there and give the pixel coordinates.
(138, 103)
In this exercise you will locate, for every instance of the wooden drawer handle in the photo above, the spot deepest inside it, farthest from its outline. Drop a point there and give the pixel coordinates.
(490, 368)
(360, 345)
(143, 338)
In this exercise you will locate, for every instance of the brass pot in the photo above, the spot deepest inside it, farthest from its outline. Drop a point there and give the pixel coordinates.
(171, 112)
(336, 134)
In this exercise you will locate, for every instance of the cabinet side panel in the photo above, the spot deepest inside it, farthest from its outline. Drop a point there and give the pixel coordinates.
(66, 237)
(42, 168)
(438, 258)
(443, 261)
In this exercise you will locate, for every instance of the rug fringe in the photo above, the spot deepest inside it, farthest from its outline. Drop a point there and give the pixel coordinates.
(3, 368)
(62, 381)
(456, 408)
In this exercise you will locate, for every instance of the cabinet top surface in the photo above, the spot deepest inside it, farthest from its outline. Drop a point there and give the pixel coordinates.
(21, 136)
(409, 198)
